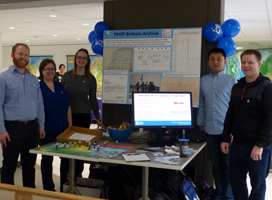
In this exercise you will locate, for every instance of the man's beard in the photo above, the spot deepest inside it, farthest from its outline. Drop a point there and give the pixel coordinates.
(19, 64)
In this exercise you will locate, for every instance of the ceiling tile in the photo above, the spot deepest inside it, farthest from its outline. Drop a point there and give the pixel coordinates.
(81, 13)
(262, 37)
(252, 16)
(56, 25)
(244, 5)
(79, 23)
(241, 34)
(44, 14)
(99, 7)
(226, 17)
(256, 31)
(254, 25)
(30, 27)
(269, 4)
(270, 14)
(23, 17)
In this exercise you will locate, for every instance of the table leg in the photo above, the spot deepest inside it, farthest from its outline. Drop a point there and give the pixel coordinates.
(144, 183)
(72, 188)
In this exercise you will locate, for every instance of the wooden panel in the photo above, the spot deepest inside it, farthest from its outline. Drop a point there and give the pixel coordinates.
(10, 192)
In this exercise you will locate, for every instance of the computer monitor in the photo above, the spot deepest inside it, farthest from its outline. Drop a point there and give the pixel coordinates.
(162, 109)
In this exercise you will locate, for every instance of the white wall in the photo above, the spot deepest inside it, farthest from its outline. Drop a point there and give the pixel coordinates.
(59, 53)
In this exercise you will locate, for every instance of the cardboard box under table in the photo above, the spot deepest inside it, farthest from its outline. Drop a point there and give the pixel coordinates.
(89, 187)
(85, 132)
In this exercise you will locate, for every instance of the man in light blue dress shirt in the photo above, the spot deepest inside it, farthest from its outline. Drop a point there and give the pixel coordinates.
(21, 117)
(215, 91)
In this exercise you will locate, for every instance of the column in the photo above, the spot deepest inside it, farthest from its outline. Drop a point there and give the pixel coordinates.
(1, 63)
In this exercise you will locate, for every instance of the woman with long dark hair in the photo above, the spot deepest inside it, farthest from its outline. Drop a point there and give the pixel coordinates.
(81, 87)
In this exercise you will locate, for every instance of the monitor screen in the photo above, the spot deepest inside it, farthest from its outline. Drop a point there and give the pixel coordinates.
(162, 109)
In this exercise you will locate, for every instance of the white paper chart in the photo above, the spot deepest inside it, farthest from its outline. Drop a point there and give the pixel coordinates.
(141, 60)
(186, 52)
(152, 59)
(182, 85)
(115, 88)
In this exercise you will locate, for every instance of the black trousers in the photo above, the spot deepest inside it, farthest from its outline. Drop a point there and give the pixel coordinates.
(22, 138)
(47, 168)
(81, 120)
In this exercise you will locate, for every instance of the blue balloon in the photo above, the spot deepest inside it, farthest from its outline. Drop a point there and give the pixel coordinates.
(92, 37)
(97, 47)
(99, 38)
(231, 28)
(213, 32)
(100, 27)
(228, 45)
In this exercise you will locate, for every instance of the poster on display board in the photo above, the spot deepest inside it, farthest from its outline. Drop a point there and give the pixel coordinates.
(149, 60)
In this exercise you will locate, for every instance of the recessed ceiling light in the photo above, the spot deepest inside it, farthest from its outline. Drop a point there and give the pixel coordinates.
(55, 34)
(12, 27)
(85, 24)
(78, 38)
(239, 47)
(27, 40)
(52, 15)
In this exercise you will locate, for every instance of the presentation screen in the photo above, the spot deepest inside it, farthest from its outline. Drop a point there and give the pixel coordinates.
(162, 109)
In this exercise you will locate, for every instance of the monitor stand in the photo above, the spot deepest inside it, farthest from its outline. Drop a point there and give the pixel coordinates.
(160, 141)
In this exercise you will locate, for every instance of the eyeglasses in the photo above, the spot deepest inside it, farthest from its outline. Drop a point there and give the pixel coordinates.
(49, 69)
(81, 58)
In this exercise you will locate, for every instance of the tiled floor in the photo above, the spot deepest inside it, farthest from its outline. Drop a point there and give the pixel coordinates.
(56, 164)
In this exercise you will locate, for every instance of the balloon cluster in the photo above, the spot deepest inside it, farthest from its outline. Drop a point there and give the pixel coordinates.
(214, 32)
(96, 37)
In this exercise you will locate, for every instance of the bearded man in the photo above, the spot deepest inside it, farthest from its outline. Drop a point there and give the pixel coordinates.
(21, 117)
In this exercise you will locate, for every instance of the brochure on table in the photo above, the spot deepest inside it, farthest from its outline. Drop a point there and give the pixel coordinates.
(149, 60)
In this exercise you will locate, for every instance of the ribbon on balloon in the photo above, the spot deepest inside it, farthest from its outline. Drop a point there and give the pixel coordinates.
(223, 34)
(96, 37)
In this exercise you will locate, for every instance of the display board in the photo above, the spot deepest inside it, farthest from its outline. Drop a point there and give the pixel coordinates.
(149, 60)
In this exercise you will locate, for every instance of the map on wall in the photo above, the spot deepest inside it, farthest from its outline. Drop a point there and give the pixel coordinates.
(34, 63)
(118, 59)
(233, 65)
(96, 70)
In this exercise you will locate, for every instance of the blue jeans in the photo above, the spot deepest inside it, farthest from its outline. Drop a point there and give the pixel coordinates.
(220, 162)
(240, 164)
